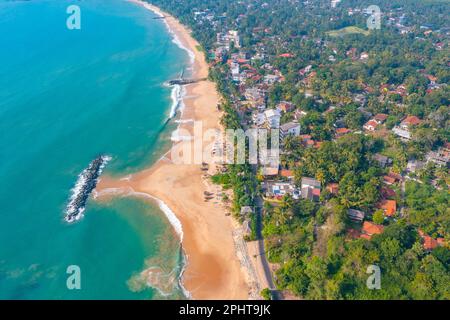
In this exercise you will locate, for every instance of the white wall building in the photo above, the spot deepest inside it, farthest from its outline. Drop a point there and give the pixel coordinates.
(290, 128)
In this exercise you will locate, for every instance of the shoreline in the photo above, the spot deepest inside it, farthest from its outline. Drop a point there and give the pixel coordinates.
(213, 269)
(169, 214)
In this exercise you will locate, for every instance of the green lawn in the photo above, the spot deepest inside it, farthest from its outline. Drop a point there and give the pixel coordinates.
(348, 30)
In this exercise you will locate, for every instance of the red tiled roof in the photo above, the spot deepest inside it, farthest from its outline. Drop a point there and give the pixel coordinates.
(411, 120)
(371, 123)
(381, 117)
(389, 180)
(389, 207)
(431, 78)
(286, 173)
(388, 192)
(429, 243)
(318, 144)
(342, 130)
(395, 176)
(370, 228)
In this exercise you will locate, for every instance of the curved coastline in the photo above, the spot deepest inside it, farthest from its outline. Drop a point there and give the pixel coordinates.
(170, 215)
(212, 267)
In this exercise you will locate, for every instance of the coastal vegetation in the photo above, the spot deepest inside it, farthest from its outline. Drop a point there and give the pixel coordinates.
(347, 30)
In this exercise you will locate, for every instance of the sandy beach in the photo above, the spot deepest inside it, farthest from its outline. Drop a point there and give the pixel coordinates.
(213, 268)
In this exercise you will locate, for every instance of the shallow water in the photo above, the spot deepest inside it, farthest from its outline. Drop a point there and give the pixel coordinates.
(67, 96)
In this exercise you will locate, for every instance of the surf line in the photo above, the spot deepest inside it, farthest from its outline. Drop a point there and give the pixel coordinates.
(170, 215)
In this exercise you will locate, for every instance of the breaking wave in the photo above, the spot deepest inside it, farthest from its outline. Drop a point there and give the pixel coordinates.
(86, 183)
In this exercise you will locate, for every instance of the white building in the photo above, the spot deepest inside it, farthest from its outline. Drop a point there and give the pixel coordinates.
(271, 79)
(273, 118)
(415, 165)
(258, 118)
(233, 36)
(334, 3)
(235, 71)
(402, 133)
(290, 128)
(279, 189)
(253, 94)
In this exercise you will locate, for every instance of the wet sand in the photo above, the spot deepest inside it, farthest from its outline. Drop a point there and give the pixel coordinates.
(213, 269)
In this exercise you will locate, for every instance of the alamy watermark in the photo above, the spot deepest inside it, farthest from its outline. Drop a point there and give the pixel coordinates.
(74, 279)
(374, 20)
(231, 147)
(73, 22)
(374, 280)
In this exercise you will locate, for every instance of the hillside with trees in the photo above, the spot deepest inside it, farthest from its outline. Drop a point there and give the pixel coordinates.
(370, 160)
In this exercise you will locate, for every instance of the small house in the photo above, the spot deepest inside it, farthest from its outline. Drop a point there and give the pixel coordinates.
(356, 215)
(369, 229)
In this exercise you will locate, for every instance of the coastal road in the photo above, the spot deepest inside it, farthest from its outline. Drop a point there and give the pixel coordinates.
(264, 263)
(261, 249)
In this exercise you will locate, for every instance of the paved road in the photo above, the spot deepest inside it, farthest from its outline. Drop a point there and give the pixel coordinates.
(265, 264)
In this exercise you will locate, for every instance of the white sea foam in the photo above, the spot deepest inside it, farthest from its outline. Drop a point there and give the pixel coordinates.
(177, 137)
(177, 96)
(184, 121)
(186, 293)
(173, 220)
(73, 211)
(180, 45)
(175, 38)
(127, 178)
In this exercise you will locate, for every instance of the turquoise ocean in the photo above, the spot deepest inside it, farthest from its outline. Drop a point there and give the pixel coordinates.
(67, 96)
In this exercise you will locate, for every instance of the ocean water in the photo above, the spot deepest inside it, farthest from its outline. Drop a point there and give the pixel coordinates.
(67, 96)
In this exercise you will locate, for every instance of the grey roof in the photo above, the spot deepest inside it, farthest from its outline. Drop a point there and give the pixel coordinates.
(288, 126)
(311, 182)
(356, 214)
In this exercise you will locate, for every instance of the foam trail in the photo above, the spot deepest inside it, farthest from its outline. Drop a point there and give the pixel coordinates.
(185, 121)
(186, 293)
(174, 221)
(180, 45)
(176, 137)
(175, 38)
(177, 95)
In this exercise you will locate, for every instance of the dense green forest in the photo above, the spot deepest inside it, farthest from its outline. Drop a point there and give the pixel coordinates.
(399, 70)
